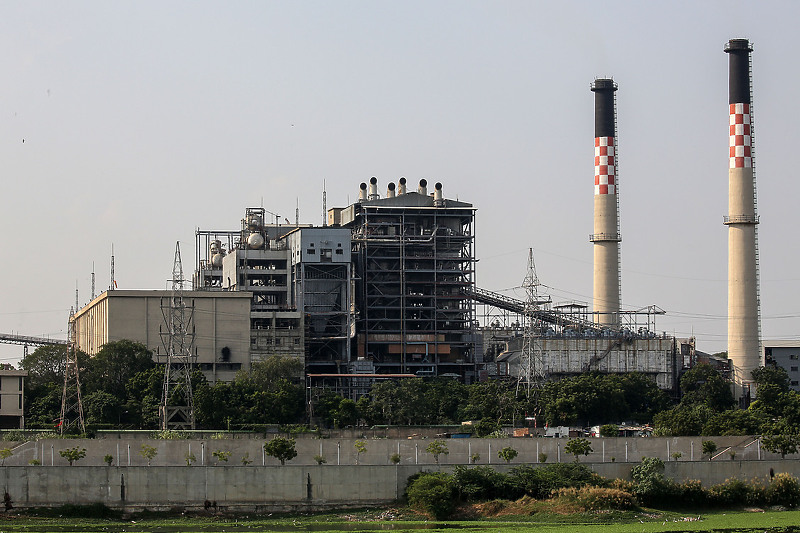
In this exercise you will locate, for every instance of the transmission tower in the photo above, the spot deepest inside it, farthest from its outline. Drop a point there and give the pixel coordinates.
(177, 403)
(531, 368)
(71, 405)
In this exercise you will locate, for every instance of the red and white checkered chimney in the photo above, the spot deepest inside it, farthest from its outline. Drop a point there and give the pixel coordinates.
(744, 339)
(606, 238)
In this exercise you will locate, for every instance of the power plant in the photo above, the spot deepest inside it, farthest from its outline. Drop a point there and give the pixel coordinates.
(385, 288)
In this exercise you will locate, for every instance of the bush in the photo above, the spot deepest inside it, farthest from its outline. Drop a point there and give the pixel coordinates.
(432, 492)
(784, 489)
(480, 483)
(731, 492)
(609, 430)
(541, 482)
(597, 498)
(692, 493)
(650, 485)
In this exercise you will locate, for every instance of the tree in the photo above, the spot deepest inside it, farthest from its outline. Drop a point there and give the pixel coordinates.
(281, 448)
(108, 459)
(148, 452)
(782, 443)
(609, 430)
(5, 453)
(114, 364)
(703, 385)
(578, 447)
(361, 447)
(709, 447)
(73, 454)
(437, 448)
(507, 454)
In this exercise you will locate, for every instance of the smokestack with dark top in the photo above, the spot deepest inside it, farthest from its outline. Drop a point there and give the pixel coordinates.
(401, 186)
(438, 200)
(390, 190)
(744, 346)
(606, 238)
(373, 188)
(423, 187)
(362, 192)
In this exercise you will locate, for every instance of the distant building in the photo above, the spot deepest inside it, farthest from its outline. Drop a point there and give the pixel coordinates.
(220, 323)
(12, 386)
(785, 354)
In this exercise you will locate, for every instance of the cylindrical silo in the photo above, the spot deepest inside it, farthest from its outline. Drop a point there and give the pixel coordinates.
(744, 349)
(605, 238)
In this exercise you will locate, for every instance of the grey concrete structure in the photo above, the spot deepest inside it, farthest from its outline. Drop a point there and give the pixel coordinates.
(321, 279)
(743, 296)
(220, 322)
(12, 398)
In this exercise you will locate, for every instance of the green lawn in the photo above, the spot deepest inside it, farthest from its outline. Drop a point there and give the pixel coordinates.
(366, 521)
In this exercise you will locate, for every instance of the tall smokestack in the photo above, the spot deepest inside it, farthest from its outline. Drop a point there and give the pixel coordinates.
(744, 349)
(401, 186)
(390, 191)
(606, 238)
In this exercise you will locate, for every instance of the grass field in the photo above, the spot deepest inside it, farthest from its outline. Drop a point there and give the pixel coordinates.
(371, 520)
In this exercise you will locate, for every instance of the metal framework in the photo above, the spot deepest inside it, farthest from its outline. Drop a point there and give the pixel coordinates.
(532, 368)
(71, 405)
(412, 265)
(177, 402)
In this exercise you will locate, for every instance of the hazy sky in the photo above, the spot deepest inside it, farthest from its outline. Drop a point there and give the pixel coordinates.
(133, 123)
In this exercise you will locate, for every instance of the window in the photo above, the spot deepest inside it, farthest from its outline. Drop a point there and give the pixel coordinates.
(296, 340)
(794, 369)
(20, 400)
(20, 383)
(793, 356)
(339, 251)
(795, 383)
(311, 251)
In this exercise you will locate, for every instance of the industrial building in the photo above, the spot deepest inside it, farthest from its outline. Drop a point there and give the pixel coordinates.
(12, 399)
(219, 320)
(387, 287)
(785, 355)
(413, 262)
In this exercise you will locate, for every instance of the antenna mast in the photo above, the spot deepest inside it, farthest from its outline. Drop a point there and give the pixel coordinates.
(324, 205)
(177, 402)
(113, 282)
(71, 405)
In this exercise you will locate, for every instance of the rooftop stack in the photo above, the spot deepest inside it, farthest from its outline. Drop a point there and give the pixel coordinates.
(605, 238)
(743, 301)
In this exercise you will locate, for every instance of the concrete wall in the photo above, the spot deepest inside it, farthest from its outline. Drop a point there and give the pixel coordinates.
(267, 488)
(126, 450)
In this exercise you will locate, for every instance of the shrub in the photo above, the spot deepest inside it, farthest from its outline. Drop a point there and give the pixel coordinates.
(650, 485)
(474, 458)
(432, 492)
(692, 493)
(395, 458)
(507, 454)
(361, 447)
(609, 430)
(542, 457)
(35, 462)
(709, 447)
(480, 483)
(5, 453)
(189, 458)
(597, 498)
(221, 455)
(578, 447)
(170, 434)
(108, 459)
(541, 482)
(731, 492)
(320, 459)
(245, 460)
(784, 489)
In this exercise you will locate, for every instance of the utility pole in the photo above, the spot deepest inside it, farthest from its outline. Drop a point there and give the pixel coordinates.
(71, 405)
(177, 402)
